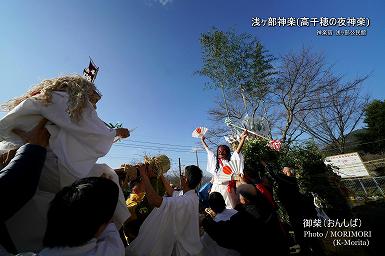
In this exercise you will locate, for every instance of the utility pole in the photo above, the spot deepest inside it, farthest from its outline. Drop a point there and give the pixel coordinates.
(196, 155)
(180, 174)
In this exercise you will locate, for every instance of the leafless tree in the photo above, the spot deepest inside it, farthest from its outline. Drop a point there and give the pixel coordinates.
(331, 121)
(303, 78)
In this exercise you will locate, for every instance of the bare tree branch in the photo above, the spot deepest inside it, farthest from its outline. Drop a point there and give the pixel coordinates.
(338, 114)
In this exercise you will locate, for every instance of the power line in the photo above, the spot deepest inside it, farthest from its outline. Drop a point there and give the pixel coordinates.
(189, 149)
(155, 149)
(158, 143)
(126, 145)
(161, 147)
(152, 147)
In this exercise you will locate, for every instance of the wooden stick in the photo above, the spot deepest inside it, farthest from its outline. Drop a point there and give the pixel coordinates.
(244, 129)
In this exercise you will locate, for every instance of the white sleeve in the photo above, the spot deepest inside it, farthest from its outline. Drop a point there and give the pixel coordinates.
(211, 162)
(89, 135)
(239, 161)
(109, 242)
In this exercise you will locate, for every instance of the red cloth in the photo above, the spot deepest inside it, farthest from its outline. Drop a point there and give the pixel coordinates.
(266, 194)
(232, 184)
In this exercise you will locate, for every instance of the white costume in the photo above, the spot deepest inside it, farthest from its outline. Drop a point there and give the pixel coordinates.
(210, 247)
(108, 243)
(74, 148)
(220, 178)
(171, 229)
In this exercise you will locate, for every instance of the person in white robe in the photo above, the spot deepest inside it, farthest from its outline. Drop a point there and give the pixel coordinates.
(78, 138)
(218, 207)
(172, 228)
(225, 167)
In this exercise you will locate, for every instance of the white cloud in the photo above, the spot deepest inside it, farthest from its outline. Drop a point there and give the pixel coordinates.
(164, 2)
(152, 3)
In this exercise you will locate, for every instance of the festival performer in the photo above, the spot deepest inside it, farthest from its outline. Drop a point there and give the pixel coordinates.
(225, 167)
(78, 138)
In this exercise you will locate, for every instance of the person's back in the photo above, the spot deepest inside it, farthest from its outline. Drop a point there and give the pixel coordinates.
(288, 192)
(169, 227)
(259, 235)
(172, 228)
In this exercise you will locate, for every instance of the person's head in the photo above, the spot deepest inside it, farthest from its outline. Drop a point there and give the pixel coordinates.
(247, 194)
(80, 93)
(216, 202)
(251, 173)
(287, 171)
(192, 177)
(223, 152)
(80, 211)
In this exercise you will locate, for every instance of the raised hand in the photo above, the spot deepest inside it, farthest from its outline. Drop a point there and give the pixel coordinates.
(203, 140)
(244, 134)
(122, 132)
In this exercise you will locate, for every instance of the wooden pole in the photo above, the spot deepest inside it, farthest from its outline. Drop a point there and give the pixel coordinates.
(196, 155)
(180, 174)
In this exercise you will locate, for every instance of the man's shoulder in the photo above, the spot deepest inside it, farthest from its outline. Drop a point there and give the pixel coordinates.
(177, 193)
(225, 215)
(187, 198)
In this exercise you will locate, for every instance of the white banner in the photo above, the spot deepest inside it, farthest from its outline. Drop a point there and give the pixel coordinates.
(349, 165)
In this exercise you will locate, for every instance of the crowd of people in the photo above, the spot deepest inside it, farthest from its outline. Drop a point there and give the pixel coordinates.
(57, 201)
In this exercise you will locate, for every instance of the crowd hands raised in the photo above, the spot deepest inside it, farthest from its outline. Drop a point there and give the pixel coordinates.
(132, 210)
(163, 221)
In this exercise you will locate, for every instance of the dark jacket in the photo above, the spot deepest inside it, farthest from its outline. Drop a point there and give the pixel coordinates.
(250, 232)
(18, 184)
(297, 205)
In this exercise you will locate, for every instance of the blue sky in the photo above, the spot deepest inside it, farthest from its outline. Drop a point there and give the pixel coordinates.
(148, 52)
